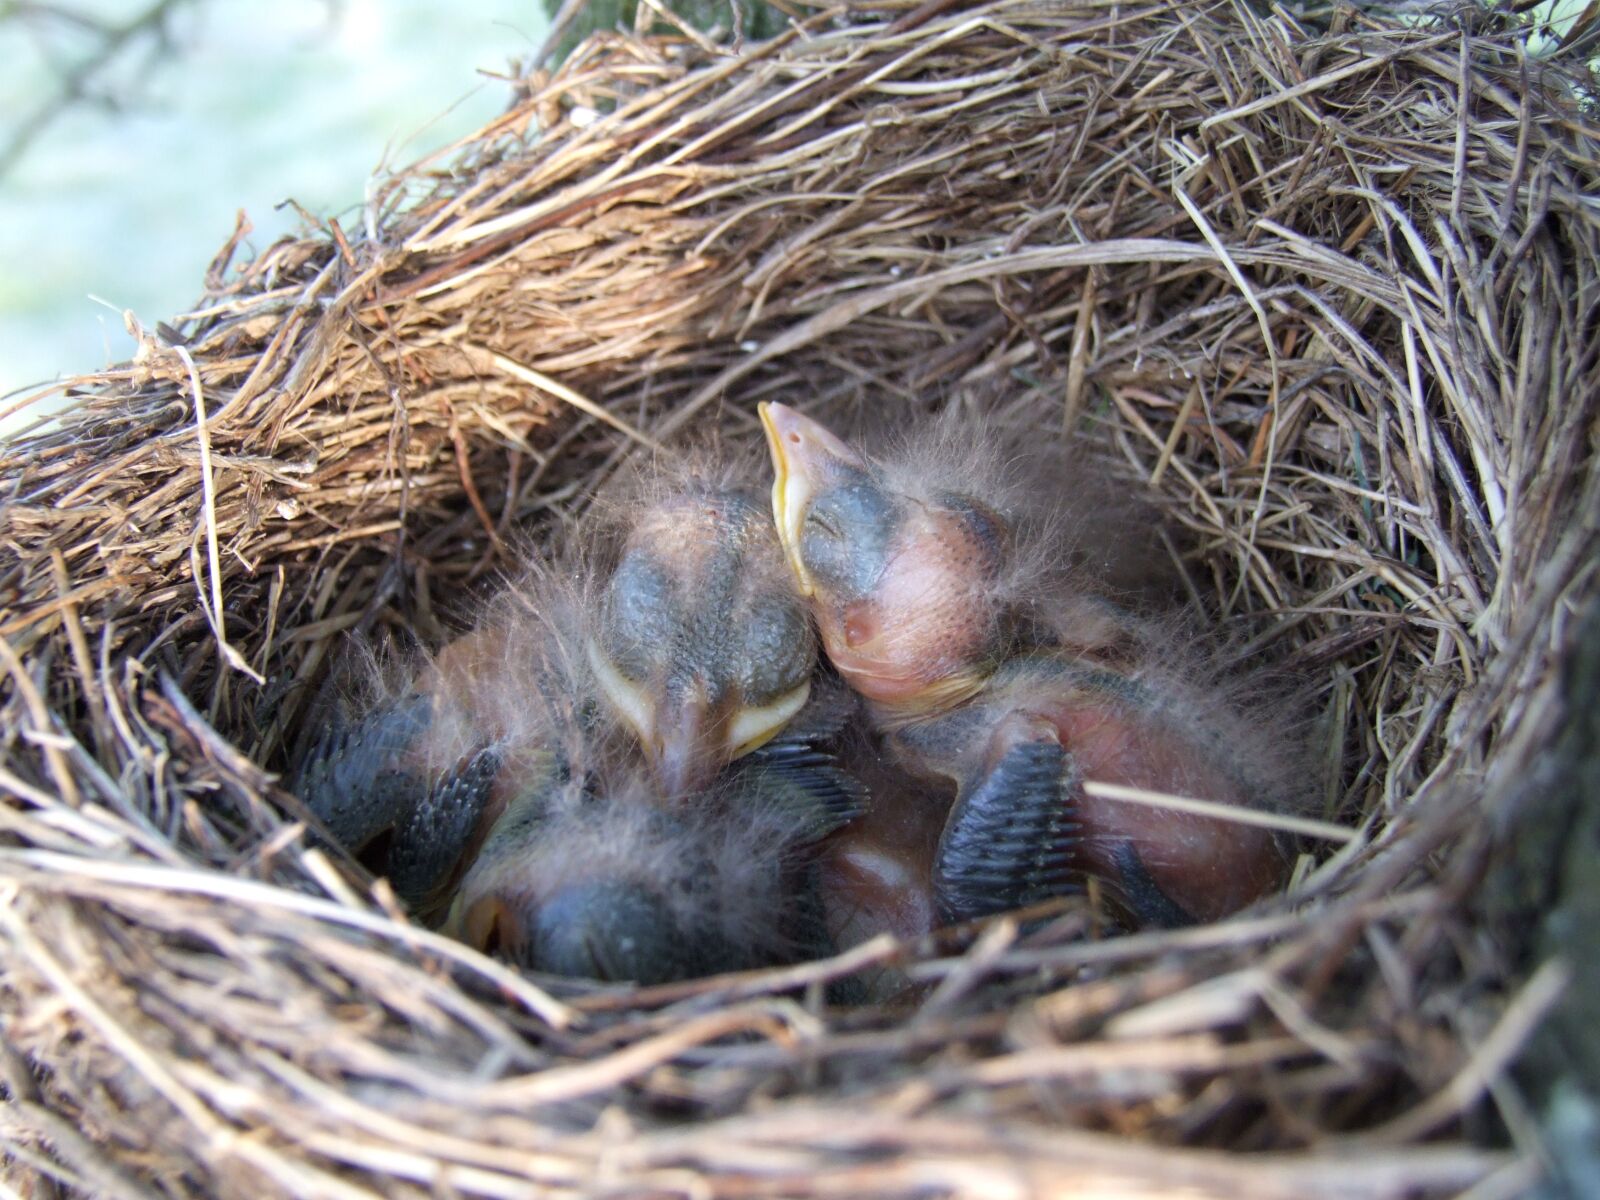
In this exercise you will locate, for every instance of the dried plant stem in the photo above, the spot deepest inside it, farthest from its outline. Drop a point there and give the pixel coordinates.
(1332, 300)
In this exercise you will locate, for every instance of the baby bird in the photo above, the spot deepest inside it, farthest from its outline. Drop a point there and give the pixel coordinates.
(982, 670)
(587, 874)
(701, 645)
(520, 809)
(633, 694)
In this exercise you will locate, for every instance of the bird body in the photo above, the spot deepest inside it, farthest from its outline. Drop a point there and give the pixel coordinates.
(877, 872)
(588, 873)
(414, 773)
(593, 779)
(983, 666)
(1116, 729)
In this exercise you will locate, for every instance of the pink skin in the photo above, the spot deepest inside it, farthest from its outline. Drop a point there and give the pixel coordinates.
(921, 646)
(923, 625)
(1207, 866)
(877, 872)
(932, 616)
(874, 886)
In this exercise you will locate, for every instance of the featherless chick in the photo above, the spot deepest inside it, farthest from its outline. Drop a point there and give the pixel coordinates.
(985, 666)
(587, 873)
(594, 709)
(701, 644)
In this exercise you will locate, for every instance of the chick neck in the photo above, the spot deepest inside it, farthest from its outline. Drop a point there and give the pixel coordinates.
(942, 696)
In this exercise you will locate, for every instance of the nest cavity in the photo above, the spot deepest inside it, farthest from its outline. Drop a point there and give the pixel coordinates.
(1332, 295)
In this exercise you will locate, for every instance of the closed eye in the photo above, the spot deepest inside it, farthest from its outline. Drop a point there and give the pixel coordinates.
(822, 523)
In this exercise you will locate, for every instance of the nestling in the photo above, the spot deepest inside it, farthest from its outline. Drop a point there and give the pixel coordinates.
(701, 645)
(587, 874)
(984, 669)
(580, 719)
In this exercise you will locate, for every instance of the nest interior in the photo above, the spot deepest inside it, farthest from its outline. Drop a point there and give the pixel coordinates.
(1333, 296)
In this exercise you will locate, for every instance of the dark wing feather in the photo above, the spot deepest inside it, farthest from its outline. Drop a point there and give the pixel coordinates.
(1010, 838)
(1151, 907)
(830, 707)
(794, 775)
(350, 778)
(435, 836)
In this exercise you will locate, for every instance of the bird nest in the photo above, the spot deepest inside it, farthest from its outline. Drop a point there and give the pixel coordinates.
(1332, 296)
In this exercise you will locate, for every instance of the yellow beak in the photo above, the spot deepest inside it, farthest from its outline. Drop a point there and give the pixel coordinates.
(802, 451)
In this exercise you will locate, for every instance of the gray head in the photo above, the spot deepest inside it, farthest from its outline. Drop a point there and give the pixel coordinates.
(906, 581)
(603, 929)
(701, 645)
(600, 878)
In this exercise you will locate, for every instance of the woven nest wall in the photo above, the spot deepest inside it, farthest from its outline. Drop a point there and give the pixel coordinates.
(1334, 297)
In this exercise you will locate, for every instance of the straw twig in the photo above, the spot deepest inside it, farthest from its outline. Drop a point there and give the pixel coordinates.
(1334, 298)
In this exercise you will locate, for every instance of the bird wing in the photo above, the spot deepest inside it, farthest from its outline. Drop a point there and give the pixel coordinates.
(793, 776)
(432, 844)
(352, 778)
(1010, 838)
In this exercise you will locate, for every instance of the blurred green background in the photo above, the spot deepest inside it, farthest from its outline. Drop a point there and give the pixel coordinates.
(127, 193)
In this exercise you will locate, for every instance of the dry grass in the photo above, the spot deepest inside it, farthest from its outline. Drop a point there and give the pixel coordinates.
(1335, 296)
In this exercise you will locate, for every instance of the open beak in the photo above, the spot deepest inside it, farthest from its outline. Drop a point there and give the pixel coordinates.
(802, 454)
